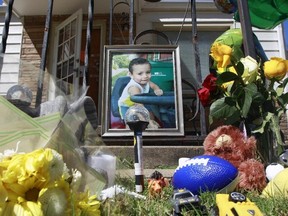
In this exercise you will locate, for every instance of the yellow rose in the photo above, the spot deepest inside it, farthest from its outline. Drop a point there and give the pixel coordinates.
(225, 85)
(221, 53)
(275, 68)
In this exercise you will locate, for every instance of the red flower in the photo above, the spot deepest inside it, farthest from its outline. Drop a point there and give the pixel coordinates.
(204, 96)
(210, 83)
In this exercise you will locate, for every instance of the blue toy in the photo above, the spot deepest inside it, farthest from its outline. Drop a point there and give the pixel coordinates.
(205, 173)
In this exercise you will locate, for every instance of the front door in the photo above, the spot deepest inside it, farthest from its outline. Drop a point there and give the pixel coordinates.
(66, 62)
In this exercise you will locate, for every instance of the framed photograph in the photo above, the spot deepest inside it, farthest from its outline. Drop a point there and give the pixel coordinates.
(142, 75)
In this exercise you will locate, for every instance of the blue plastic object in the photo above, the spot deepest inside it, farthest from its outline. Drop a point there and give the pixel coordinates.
(204, 173)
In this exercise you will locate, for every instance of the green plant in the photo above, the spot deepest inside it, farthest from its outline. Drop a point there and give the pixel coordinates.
(252, 94)
(127, 205)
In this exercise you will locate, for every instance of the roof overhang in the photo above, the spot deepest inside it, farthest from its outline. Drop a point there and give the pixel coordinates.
(64, 7)
(60, 7)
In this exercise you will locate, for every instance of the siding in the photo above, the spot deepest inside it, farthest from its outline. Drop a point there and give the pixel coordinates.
(271, 40)
(11, 58)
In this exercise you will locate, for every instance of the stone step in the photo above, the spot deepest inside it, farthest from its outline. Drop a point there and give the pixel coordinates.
(154, 157)
(130, 173)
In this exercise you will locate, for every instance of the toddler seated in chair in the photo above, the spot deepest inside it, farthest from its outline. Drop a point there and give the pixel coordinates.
(140, 73)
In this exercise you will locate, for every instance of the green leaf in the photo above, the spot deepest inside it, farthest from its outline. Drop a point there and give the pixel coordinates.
(226, 77)
(283, 99)
(279, 90)
(235, 117)
(238, 92)
(230, 101)
(252, 88)
(239, 68)
(258, 99)
(247, 103)
(221, 110)
(285, 81)
(265, 121)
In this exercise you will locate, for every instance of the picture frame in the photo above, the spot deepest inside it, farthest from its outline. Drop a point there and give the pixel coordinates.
(165, 72)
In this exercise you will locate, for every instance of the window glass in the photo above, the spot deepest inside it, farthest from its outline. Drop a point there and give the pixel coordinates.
(205, 39)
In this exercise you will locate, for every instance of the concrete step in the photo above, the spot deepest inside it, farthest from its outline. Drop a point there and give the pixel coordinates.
(154, 157)
(130, 173)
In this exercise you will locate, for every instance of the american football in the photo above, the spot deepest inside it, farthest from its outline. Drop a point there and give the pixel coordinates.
(205, 173)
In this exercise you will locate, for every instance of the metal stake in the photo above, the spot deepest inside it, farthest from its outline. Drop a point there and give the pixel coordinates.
(138, 127)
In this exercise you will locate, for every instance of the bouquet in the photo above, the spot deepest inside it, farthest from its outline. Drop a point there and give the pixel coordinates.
(248, 91)
(39, 183)
(47, 173)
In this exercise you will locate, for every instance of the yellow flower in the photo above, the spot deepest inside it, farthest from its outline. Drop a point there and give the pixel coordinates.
(226, 85)
(26, 179)
(38, 183)
(86, 205)
(3, 193)
(20, 209)
(221, 53)
(275, 68)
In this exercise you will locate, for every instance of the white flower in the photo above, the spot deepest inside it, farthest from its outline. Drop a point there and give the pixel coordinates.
(250, 73)
(57, 167)
(76, 180)
(53, 202)
(9, 152)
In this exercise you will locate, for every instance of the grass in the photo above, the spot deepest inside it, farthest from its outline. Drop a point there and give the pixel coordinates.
(126, 205)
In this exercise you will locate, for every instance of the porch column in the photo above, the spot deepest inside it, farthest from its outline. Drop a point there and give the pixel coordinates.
(131, 22)
(246, 28)
(5, 32)
(111, 21)
(44, 53)
(197, 64)
(88, 43)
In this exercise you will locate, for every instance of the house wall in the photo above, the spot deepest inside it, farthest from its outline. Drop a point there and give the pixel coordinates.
(26, 44)
(32, 40)
(9, 62)
(271, 41)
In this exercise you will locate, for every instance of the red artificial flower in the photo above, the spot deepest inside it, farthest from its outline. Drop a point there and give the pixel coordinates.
(210, 83)
(204, 96)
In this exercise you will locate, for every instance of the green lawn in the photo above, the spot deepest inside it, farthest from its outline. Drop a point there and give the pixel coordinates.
(127, 205)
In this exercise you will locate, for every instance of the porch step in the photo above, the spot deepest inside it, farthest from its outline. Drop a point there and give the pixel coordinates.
(130, 173)
(154, 157)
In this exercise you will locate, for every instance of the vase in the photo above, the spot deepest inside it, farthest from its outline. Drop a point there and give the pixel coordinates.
(268, 147)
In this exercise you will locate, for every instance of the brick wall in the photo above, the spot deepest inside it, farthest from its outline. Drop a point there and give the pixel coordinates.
(31, 54)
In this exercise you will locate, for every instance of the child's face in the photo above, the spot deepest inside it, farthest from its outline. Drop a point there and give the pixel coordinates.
(141, 73)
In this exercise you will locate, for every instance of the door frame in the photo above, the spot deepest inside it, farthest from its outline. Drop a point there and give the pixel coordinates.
(52, 86)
